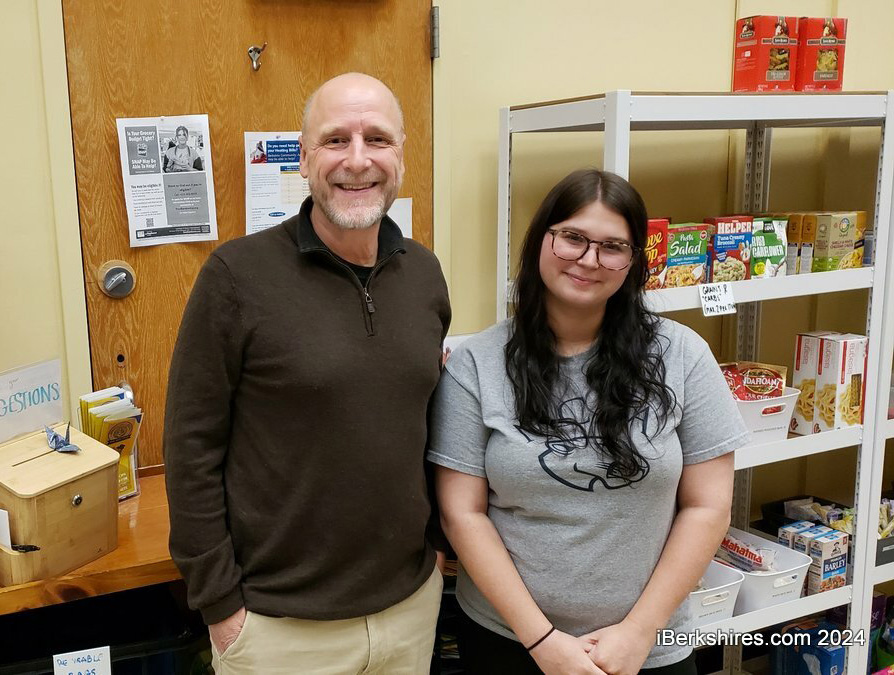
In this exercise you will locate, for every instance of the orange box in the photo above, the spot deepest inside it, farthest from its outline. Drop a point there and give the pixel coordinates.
(656, 252)
(820, 54)
(766, 51)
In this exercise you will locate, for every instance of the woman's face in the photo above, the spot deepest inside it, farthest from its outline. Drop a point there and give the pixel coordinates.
(182, 137)
(584, 284)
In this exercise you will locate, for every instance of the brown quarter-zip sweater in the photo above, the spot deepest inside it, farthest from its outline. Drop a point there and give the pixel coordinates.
(296, 425)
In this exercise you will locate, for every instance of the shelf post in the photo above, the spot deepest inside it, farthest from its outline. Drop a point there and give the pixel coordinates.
(616, 153)
(504, 213)
(871, 458)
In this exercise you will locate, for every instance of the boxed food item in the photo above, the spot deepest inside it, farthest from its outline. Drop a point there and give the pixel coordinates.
(765, 53)
(807, 348)
(829, 567)
(840, 382)
(787, 533)
(656, 252)
(821, 44)
(731, 224)
(793, 243)
(835, 238)
(807, 243)
(687, 254)
(807, 656)
(731, 257)
(768, 247)
(801, 540)
(860, 236)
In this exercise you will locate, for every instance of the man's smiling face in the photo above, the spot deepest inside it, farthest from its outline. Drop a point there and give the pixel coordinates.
(352, 151)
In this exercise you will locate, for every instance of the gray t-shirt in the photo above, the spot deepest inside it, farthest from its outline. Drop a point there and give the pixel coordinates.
(584, 540)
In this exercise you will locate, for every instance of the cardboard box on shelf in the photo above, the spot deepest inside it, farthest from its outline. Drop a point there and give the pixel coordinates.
(840, 382)
(766, 50)
(821, 42)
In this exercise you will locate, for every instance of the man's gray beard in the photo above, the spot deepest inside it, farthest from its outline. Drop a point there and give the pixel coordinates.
(358, 221)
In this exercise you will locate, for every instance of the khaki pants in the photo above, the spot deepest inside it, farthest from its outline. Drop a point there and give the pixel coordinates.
(396, 641)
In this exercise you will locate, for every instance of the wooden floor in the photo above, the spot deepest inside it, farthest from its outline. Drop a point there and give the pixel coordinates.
(141, 559)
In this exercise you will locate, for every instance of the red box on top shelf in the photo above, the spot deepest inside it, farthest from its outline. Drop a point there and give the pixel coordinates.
(820, 54)
(766, 50)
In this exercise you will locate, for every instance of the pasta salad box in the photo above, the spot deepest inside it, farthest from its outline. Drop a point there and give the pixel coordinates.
(656, 252)
(766, 49)
(807, 348)
(821, 44)
(687, 254)
(840, 382)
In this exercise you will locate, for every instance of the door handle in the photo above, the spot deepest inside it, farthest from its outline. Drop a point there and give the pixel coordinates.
(116, 278)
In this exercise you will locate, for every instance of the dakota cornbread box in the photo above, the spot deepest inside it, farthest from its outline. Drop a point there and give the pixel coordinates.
(766, 50)
(821, 42)
(62, 506)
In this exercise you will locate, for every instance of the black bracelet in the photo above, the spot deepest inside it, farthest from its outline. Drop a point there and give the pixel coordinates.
(548, 633)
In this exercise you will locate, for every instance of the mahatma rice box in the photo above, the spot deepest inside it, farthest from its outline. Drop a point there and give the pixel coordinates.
(766, 50)
(829, 567)
(687, 254)
(820, 54)
(656, 252)
(801, 540)
(835, 238)
(807, 348)
(840, 382)
(787, 533)
(768, 247)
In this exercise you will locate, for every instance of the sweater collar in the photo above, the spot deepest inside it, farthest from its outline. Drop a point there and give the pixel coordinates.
(302, 231)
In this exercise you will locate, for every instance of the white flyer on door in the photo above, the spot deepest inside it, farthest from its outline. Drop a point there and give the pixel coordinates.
(274, 187)
(168, 179)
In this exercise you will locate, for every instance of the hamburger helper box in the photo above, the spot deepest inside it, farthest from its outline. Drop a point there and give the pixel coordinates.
(840, 382)
(731, 250)
(765, 57)
(807, 349)
(820, 54)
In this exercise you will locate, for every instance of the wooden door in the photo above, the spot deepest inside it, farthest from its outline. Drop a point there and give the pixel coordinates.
(143, 58)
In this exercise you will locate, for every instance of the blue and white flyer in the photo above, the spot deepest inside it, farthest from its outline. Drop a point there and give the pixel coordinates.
(274, 187)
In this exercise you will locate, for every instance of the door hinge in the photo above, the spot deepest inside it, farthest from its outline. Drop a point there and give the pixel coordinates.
(435, 33)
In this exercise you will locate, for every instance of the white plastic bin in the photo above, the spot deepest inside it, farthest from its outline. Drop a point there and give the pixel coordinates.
(763, 590)
(765, 425)
(717, 601)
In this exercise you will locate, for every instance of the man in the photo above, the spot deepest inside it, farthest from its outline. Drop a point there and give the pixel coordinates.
(296, 417)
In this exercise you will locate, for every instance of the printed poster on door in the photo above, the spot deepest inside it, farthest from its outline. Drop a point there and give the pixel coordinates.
(168, 179)
(274, 187)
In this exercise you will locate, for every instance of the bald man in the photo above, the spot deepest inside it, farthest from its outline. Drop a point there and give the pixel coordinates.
(296, 418)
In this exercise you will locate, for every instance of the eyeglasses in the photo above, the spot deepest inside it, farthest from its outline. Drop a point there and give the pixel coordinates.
(571, 246)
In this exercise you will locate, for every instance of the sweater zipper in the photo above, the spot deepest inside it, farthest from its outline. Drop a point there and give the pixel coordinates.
(367, 298)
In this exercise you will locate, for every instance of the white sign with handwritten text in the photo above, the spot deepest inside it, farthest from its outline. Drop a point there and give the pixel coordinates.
(30, 398)
(96, 661)
(717, 299)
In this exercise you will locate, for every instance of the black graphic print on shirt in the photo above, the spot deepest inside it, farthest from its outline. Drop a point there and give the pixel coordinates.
(577, 459)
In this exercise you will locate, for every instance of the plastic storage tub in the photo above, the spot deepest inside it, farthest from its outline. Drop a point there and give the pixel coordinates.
(717, 601)
(763, 590)
(768, 419)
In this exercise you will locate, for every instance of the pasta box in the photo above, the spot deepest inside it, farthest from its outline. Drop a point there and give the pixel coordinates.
(820, 53)
(840, 382)
(766, 50)
(687, 254)
(63, 506)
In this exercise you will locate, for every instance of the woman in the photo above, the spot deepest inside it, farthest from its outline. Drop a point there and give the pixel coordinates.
(584, 449)
(181, 157)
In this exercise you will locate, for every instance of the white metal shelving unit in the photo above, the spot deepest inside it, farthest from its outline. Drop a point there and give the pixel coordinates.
(619, 113)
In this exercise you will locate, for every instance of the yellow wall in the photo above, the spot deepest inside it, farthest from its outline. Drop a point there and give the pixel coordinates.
(43, 318)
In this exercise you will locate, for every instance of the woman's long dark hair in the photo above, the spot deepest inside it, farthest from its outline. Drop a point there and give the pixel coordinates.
(626, 370)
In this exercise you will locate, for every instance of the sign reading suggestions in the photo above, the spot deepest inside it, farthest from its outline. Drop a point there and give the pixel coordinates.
(30, 398)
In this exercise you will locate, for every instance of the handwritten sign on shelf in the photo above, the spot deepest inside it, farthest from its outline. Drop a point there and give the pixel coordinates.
(97, 661)
(717, 299)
